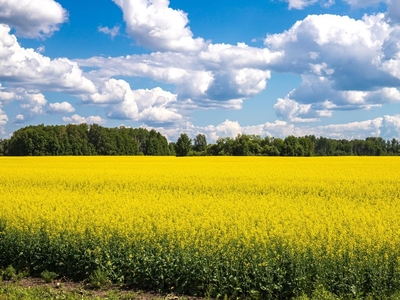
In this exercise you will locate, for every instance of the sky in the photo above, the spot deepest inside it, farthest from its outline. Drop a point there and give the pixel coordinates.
(267, 67)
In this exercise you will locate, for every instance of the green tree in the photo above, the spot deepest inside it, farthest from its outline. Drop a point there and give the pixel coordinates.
(241, 145)
(183, 145)
(293, 147)
(307, 145)
(200, 143)
(3, 147)
(171, 147)
(279, 145)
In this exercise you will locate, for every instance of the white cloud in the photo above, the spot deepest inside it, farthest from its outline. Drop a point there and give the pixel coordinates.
(347, 63)
(3, 121)
(226, 129)
(149, 106)
(30, 101)
(77, 119)
(386, 127)
(32, 18)
(353, 130)
(59, 108)
(21, 66)
(3, 118)
(364, 3)
(229, 128)
(113, 32)
(6, 95)
(113, 91)
(153, 24)
(343, 46)
(33, 103)
(19, 119)
(41, 49)
(317, 90)
(234, 84)
(146, 105)
(238, 56)
(301, 4)
(219, 73)
(298, 113)
(391, 126)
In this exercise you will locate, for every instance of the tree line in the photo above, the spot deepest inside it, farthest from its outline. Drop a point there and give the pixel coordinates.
(94, 139)
(84, 139)
(252, 145)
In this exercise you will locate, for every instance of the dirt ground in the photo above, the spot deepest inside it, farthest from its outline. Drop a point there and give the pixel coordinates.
(82, 288)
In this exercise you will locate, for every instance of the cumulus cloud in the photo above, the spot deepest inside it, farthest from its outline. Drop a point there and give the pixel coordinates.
(30, 101)
(113, 32)
(153, 24)
(33, 103)
(319, 94)
(21, 66)
(77, 119)
(298, 113)
(19, 119)
(60, 108)
(150, 106)
(344, 63)
(6, 95)
(216, 75)
(353, 130)
(32, 18)
(345, 49)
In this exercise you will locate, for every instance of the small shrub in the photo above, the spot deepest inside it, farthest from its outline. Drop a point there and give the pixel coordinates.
(48, 276)
(98, 279)
(9, 273)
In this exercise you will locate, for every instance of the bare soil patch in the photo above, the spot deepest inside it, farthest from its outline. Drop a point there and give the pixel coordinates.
(85, 289)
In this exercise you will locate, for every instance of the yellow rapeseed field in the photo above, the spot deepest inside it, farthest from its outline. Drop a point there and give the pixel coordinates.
(241, 226)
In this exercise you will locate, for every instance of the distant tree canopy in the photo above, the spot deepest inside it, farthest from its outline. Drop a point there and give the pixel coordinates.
(84, 139)
(94, 139)
(244, 145)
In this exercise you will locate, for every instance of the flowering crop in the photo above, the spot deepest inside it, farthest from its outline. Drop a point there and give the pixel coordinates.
(274, 227)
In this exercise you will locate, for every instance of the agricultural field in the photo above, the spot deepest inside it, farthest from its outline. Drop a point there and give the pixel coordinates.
(251, 227)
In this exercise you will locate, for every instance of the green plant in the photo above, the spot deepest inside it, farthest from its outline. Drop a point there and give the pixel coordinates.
(9, 273)
(48, 276)
(322, 294)
(98, 279)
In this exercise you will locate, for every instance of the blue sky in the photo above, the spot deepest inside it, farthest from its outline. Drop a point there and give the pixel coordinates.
(268, 67)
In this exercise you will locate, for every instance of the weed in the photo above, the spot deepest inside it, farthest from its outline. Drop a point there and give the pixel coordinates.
(48, 276)
(98, 279)
(9, 273)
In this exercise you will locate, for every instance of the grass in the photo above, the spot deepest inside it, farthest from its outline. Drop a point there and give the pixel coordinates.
(38, 289)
